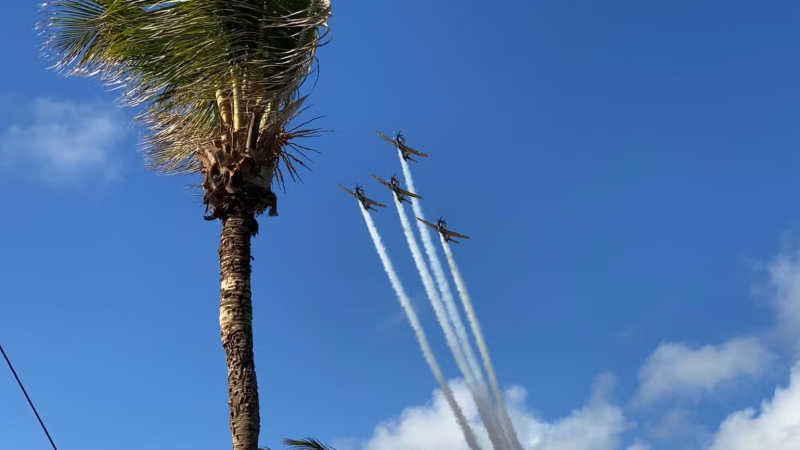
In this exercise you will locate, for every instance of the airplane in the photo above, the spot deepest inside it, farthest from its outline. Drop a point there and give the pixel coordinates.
(361, 195)
(400, 142)
(441, 227)
(394, 185)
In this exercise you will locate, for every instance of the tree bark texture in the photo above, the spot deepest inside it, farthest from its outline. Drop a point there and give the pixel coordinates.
(236, 326)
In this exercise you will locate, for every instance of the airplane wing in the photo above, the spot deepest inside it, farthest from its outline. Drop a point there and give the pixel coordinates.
(390, 140)
(415, 152)
(348, 191)
(429, 224)
(454, 234)
(373, 202)
(409, 194)
(385, 183)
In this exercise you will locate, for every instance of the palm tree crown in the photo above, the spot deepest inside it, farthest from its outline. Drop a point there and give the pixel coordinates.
(218, 80)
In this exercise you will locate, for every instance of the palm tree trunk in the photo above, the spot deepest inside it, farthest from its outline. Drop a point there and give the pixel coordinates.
(236, 325)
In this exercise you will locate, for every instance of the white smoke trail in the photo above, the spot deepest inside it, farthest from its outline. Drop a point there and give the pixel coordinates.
(469, 434)
(477, 389)
(433, 295)
(441, 279)
(483, 401)
(482, 347)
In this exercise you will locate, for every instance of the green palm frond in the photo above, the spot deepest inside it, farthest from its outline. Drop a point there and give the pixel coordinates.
(179, 58)
(306, 444)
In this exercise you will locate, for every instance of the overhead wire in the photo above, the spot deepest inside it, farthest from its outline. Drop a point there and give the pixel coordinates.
(30, 402)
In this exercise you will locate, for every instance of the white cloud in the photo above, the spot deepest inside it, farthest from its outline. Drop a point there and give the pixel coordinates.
(676, 369)
(64, 141)
(775, 427)
(678, 429)
(597, 426)
(776, 424)
(784, 277)
(639, 445)
(674, 422)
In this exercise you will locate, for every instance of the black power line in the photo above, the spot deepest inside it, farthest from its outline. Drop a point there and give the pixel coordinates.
(10, 366)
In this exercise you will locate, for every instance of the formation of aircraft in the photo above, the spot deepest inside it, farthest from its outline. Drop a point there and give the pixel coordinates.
(394, 185)
(441, 227)
(400, 142)
(361, 195)
(402, 194)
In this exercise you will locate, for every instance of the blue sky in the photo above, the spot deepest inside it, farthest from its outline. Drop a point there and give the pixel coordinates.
(628, 172)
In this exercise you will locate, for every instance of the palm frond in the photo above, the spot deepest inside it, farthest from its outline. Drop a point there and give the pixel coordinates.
(306, 444)
(288, 141)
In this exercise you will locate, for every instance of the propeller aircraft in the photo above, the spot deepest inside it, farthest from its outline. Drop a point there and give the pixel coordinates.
(400, 142)
(361, 195)
(394, 185)
(441, 227)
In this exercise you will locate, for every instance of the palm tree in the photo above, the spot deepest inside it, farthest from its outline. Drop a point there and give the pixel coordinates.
(216, 83)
